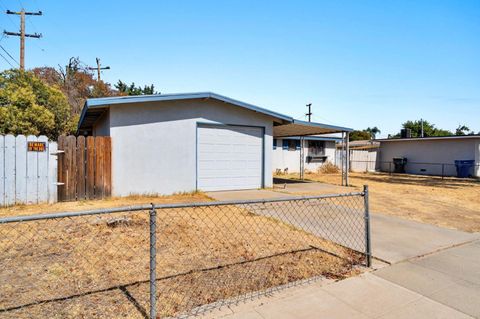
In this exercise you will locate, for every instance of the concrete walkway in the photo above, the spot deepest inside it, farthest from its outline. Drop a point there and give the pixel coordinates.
(441, 285)
(435, 273)
(394, 239)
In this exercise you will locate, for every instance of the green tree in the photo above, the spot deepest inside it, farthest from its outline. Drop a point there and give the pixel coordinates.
(30, 106)
(135, 90)
(463, 130)
(360, 135)
(429, 129)
(373, 131)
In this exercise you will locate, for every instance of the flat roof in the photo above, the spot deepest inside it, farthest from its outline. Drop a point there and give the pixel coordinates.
(429, 138)
(314, 138)
(288, 126)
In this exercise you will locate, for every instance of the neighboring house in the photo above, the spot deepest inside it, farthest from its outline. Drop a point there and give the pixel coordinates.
(432, 155)
(317, 151)
(162, 144)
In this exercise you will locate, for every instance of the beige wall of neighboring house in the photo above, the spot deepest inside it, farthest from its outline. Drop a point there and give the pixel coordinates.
(426, 155)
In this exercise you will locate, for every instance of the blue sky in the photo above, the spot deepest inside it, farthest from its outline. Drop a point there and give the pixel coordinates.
(361, 63)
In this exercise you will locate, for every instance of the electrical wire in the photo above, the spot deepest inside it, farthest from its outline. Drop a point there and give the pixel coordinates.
(11, 57)
(6, 60)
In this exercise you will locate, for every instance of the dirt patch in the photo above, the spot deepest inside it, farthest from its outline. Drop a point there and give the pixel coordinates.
(451, 202)
(98, 266)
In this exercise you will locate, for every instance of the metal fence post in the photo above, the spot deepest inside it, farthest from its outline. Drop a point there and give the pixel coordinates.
(443, 171)
(368, 248)
(153, 262)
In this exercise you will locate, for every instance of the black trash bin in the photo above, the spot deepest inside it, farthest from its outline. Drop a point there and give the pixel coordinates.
(399, 164)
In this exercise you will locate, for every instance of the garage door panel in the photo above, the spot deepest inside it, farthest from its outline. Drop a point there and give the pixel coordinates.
(229, 157)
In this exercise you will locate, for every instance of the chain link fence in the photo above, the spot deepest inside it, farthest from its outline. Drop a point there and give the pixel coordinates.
(417, 168)
(178, 260)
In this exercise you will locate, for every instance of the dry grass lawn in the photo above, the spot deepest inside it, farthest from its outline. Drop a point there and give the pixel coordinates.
(89, 267)
(451, 202)
(20, 210)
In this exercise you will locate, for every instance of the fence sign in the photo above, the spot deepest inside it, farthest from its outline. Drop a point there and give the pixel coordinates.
(37, 146)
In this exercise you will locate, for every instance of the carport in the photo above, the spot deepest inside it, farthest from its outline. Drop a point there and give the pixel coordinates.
(298, 128)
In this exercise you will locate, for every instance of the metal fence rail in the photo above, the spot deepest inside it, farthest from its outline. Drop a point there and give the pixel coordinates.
(174, 260)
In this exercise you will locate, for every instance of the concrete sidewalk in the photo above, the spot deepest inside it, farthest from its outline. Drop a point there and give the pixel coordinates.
(441, 285)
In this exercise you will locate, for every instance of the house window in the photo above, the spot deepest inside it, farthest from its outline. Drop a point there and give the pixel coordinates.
(274, 143)
(316, 148)
(291, 145)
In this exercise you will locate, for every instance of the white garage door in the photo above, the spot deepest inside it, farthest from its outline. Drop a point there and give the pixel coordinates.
(229, 157)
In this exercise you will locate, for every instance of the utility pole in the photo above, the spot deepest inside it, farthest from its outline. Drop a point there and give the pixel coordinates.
(22, 33)
(309, 114)
(98, 68)
(421, 122)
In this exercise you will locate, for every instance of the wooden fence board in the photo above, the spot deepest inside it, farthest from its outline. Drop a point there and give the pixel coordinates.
(43, 158)
(99, 150)
(9, 170)
(71, 171)
(2, 174)
(90, 168)
(107, 168)
(20, 169)
(61, 167)
(52, 174)
(32, 173)
(80, 161)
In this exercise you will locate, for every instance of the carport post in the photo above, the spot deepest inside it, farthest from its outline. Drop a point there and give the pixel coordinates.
(347, 166)
(302, 159)
(153, 263)
(368, 248)
(342, 158)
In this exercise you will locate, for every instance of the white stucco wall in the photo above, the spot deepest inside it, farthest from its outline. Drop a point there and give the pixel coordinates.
(291, 159)
(430, 151)
(154, 144)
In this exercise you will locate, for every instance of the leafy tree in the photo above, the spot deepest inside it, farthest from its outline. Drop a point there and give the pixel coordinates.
(134, 90)
(429, 129)
(463, 130)
(30, 106)
(373, 131)
(360, 135)
(76, 81)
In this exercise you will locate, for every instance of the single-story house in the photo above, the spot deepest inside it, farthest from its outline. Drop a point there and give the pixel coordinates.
(432, 155)
(162, 144)
(318, 150)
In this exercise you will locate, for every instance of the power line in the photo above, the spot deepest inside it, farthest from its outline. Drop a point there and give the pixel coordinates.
(11, 57)
(6, 60)
(10, 19)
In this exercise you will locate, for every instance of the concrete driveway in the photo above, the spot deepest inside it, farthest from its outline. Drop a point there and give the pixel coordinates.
(394, 239)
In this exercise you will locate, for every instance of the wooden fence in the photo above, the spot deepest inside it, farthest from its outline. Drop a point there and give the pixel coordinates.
(360, 160)
(84, 168)
(27, 170)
